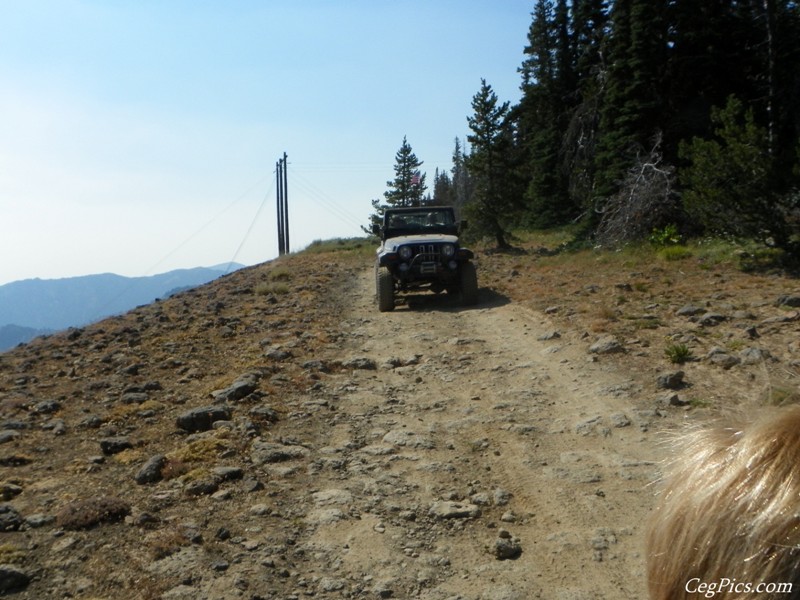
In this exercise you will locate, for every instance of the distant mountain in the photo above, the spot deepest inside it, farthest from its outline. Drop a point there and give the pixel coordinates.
(36, 306)
(12, 335)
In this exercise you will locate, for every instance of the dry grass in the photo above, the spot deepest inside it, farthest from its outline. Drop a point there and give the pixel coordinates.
(85, 514)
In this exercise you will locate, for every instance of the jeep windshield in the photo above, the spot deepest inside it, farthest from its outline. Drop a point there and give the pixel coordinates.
(423, 220)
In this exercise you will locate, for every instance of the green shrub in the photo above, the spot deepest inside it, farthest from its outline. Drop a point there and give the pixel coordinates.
(668, 236)
(279, 274)
(678, 353)
(671, 253)
(761, 259)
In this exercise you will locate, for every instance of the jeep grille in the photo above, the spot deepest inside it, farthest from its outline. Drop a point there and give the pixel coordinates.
(427, 252)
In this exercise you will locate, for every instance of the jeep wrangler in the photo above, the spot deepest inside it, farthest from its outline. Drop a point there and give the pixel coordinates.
(420, 250)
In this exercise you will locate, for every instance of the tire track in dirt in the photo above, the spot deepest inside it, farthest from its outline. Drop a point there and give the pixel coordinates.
(476, 403)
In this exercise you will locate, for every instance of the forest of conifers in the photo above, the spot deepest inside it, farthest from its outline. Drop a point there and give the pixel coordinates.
(638, 115)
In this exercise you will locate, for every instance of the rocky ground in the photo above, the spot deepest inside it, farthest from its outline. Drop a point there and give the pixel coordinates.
(271, 435)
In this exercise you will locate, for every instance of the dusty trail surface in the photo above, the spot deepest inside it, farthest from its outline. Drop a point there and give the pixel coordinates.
(485, 458)
(272, 436)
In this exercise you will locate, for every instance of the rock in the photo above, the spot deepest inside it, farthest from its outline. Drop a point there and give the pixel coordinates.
(12, 579)
(401, 437)
(260, 510)
(586, 427)
(278, 354)
(619, 420)
(202, 419)
(264, 413)
(710, 319)
(38, 520)
(448, 509)
(114, 445)
(509, 517)
(360, 363)
(241, 388)
(723, 359)
(10, 519)
(754, 356)
(670, 381)
(606, 345)
(151, 470)
(507, 547)
(8, 435)
(317, 365)
(9, 491)
(202, 487)
(134, 398)
(689, 310)
(788, 300)
(781, 319)
(267, 452)
(227, 473)
(670, 399)
(332, 496)
(550, 335)
(501, 497)
(46, 407)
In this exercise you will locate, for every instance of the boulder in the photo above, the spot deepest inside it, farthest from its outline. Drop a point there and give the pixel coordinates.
(203, 418)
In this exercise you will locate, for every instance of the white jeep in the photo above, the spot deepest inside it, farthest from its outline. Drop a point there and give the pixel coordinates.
(420, 250)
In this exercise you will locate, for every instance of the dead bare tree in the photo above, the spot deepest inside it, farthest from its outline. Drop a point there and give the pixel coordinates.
(646, 201)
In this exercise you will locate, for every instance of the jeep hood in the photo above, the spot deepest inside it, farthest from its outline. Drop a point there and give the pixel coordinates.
(392, 244)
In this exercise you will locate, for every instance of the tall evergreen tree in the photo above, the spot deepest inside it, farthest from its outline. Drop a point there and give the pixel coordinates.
(463, 187)
(633, 99)
(406, 189)
(548, 83)
(589, 27)
(443, 190)
(408, 186)
(495, 205)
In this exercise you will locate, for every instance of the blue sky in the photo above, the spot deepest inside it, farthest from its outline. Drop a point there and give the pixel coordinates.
(141, 136)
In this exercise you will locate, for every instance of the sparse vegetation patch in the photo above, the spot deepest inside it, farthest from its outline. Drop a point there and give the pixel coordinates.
(85, 514)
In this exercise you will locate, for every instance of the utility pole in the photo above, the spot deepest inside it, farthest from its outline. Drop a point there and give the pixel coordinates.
(279, 187)
(283, 206)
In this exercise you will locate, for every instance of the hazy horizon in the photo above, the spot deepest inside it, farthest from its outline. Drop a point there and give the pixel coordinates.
(138, 138)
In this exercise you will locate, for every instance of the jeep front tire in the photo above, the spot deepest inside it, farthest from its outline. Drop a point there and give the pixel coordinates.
(385, 285)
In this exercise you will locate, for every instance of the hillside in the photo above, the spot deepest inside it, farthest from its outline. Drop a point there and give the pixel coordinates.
(52, 304)
(271, 435)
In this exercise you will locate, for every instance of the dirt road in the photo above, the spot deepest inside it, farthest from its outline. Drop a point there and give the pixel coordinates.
(487, 457)
(434, 452)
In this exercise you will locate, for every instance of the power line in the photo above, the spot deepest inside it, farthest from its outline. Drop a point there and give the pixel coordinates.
(206, 225)
(249, 229)
(318, 196)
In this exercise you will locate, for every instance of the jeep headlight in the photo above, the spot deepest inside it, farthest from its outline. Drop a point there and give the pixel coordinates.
(405, 252)
(448, 250)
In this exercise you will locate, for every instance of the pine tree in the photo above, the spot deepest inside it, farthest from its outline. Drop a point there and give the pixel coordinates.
(548, 80)
(729, 179)
(494, 207)
(590, 28)
(408, 186)
(406, 189)
(631, 107)
(463, 187)
(443, 190)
